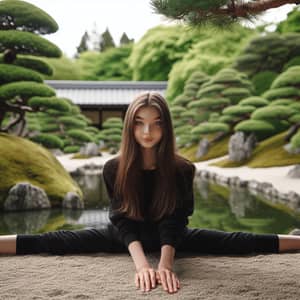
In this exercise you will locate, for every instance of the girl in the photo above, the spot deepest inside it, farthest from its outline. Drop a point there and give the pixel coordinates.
(151, 196)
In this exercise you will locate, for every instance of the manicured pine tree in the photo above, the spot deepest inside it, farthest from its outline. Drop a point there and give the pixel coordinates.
(20, 26)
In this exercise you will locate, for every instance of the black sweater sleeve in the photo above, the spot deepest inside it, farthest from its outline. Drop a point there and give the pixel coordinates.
(171, 227)
(127, 228)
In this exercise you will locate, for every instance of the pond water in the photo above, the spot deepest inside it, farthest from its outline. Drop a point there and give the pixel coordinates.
(216, 207)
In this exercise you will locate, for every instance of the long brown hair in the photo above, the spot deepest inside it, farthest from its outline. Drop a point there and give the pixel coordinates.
(127, 183)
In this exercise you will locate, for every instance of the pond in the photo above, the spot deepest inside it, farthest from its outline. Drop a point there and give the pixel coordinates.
(216, 207)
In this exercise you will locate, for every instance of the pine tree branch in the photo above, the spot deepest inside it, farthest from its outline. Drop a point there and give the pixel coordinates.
(251, 8)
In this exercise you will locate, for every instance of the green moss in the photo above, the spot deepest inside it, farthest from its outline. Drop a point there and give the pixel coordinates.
(218, 149)
(269, 153)
(24, 161)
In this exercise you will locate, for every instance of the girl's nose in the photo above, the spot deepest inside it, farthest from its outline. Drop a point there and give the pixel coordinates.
(146, 128)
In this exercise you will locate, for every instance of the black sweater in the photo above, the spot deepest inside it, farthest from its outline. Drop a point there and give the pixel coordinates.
(169, 228)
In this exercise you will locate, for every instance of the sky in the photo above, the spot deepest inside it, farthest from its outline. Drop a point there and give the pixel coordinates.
(134, 17)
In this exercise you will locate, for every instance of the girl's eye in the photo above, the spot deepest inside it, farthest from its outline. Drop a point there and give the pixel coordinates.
(138, 122)
(159, 123)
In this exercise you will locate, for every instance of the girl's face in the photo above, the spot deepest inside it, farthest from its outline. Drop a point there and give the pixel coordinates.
(147, 127)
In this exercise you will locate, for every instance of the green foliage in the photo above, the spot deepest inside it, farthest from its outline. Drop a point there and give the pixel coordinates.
(213, 51)
(34, 64)
(269, 52)
(295, 61)
(113, 64)
(153, 56)
(205, 128)
(50, 102)
(48, 140)
(80, 135)
(255, 126)
(291, 77)
(272, 112)
(262, 81)
(237, 110)
(254, 101)
(71, 149)
(27, 43)
(292, 23)
(25, 16)
(295, 140)
(25, 89)
(63, 69)
(11, 73)
(285, 92)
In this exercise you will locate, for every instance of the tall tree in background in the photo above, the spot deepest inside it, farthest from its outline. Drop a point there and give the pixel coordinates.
(106, 41)
(217, 12)
(125, 39)
(83, 46)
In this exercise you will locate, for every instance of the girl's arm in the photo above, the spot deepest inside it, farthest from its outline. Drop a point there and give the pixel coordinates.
(145, 275)
(165, 274)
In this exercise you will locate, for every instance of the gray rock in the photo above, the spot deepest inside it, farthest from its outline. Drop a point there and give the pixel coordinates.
(240, 146)
(73, 201)
(90, 149)
(203, 148)
(56, 152)
(288, 148)
(295, 172)
(25, 196)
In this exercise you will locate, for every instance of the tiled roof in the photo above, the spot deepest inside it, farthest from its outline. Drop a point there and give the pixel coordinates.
(104, 92)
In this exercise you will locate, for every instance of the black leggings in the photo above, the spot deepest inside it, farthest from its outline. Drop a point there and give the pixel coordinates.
(107, 240)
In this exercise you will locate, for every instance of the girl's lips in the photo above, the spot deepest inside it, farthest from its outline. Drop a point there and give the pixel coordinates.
(148, 140)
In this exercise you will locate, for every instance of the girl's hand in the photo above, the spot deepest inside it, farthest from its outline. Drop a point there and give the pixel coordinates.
(168, 279)
(145, 279)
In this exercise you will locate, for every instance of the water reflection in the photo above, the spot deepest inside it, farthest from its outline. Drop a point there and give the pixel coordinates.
(216, 207)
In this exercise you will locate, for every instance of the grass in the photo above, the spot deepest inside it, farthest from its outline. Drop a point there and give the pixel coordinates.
(24, 161)
(268, 153)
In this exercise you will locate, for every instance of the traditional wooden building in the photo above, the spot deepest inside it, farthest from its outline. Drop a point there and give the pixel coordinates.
(99, 100)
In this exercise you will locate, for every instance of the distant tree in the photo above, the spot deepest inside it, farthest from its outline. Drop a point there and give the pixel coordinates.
(83, 46)
(217, 12)
(106, 41)
(125, 39)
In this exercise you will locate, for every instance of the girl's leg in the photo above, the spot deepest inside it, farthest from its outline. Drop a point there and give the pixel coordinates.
(220, 242)
(8, 244)
(63, 242)
(288, 242)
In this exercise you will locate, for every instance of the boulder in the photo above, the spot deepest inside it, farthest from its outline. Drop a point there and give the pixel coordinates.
(25, 196)
(288, 148)
(73, 201)
(90, 149)
(240, 146)
(56, 152)
(203, 148)
(294, 172)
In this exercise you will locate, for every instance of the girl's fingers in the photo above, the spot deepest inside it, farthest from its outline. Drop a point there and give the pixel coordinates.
(174, 280)
(169, 282)
(147, 281)
(136, 280)
(163, 281)
(152, 276)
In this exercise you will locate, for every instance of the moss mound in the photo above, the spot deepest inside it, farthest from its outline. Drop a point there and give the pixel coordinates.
(269, 153)
(24, 161)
